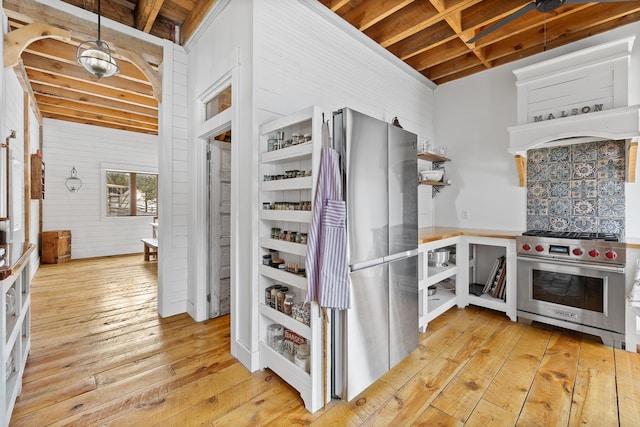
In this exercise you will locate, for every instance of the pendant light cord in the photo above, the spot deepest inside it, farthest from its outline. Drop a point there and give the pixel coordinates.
(99, 20)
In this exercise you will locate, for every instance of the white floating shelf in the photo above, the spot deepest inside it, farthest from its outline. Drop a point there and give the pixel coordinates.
(295, 152)
(303, 183)
(286, 321)
(284, 246)
(292, 216)
(295, 280)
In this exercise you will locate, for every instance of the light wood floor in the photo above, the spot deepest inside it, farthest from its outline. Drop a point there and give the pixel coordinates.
(101, 356)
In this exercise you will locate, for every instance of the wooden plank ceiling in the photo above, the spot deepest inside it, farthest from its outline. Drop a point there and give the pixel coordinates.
(429, 35)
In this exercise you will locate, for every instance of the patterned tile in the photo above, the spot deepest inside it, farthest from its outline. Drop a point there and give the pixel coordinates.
(559, 172)
(610, 188)
(538, 156)
(559, 154)
(537, 173)
(560, 189)
(610, 207)
(560, 207)
(584, 152)
(584, 189)
(577, 187)
(583, 223)
(538, 190)
(537, 222)
(611, 150)
(558, 223)
(584, 170)
(583, 207)
(537, 207)
(611, 169)
(611, 225)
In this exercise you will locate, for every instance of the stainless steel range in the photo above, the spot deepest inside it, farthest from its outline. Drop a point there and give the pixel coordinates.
(573, 280)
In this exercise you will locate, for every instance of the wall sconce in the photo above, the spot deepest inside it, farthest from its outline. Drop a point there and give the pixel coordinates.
(73, 183)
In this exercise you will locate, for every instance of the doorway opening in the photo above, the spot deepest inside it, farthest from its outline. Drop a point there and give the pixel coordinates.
(219, 224)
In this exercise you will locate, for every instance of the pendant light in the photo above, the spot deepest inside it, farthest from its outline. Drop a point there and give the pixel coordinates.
(95, 56)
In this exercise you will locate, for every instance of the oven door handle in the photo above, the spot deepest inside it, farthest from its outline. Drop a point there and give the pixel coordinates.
(601, 267)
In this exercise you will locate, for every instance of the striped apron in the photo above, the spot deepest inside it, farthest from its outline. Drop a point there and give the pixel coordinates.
(326, 262)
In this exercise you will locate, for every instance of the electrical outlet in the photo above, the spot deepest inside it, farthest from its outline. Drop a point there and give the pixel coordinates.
(464, 214)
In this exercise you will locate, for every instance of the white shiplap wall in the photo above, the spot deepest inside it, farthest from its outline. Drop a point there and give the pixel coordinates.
(173, 172)
(305, 56)
(224, 51)
(89, 149)
(13, 110)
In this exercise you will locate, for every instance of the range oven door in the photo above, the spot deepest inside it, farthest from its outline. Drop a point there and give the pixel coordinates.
(572, 293)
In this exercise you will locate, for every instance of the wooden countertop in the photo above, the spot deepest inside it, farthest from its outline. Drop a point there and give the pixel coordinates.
(430, 234)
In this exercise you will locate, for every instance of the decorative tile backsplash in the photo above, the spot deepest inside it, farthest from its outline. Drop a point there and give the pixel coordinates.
(578, 187)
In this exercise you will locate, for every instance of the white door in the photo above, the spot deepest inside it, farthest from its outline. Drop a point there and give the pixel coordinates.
(220, 225)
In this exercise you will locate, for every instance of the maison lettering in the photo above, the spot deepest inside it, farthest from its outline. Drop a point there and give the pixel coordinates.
(573, 112)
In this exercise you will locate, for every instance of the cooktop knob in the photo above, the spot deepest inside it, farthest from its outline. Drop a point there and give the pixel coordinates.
(611, 254)
(577, 252)
(526, 247)
(594, 253)
(539, 248)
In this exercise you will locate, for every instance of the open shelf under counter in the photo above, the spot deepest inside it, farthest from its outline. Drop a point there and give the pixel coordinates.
(286, 321)
(291, 279)
(295, 152)
(302, 183)
(440, 302)
(487, 301)
(285, 215)
(284, 246)
(437, 274)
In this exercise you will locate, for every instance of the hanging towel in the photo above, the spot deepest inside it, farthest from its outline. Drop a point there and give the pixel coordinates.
(326, 262)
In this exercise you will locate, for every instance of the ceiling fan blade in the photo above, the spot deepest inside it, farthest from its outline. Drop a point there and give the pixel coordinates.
(518, 13)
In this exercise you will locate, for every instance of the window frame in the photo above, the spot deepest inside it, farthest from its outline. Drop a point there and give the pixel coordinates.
(136, 169)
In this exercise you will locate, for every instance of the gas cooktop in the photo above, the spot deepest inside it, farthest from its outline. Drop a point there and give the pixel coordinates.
(576, 235)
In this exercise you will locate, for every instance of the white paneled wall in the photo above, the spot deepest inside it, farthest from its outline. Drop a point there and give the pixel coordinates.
(13, 110)
(34, 143)
(173, 173)
(304, 56)
(90, 149)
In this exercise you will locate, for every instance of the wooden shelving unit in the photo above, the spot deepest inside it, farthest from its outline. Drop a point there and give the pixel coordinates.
(37, 177)
(436, 160)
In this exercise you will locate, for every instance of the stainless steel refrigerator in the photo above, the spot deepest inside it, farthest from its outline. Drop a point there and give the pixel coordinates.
(379, 171)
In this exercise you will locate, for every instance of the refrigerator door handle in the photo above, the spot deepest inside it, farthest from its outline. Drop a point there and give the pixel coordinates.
(400, 255)
(366, 264)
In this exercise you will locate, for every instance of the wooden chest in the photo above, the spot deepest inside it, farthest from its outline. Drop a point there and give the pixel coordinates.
(56, 246)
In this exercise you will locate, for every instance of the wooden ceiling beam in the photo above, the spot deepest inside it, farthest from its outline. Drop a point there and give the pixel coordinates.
(52, 102)
(412, 19)
(79, 86)
(81, 28)
(66, 52)
(101, 124)
(145, 14)
(371, 12)
(76, 72)
(15, 42)
(47, 111)
(90, 98)
(195, 17)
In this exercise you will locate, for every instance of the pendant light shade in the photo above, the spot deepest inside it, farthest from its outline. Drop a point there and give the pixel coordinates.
(95, 56)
